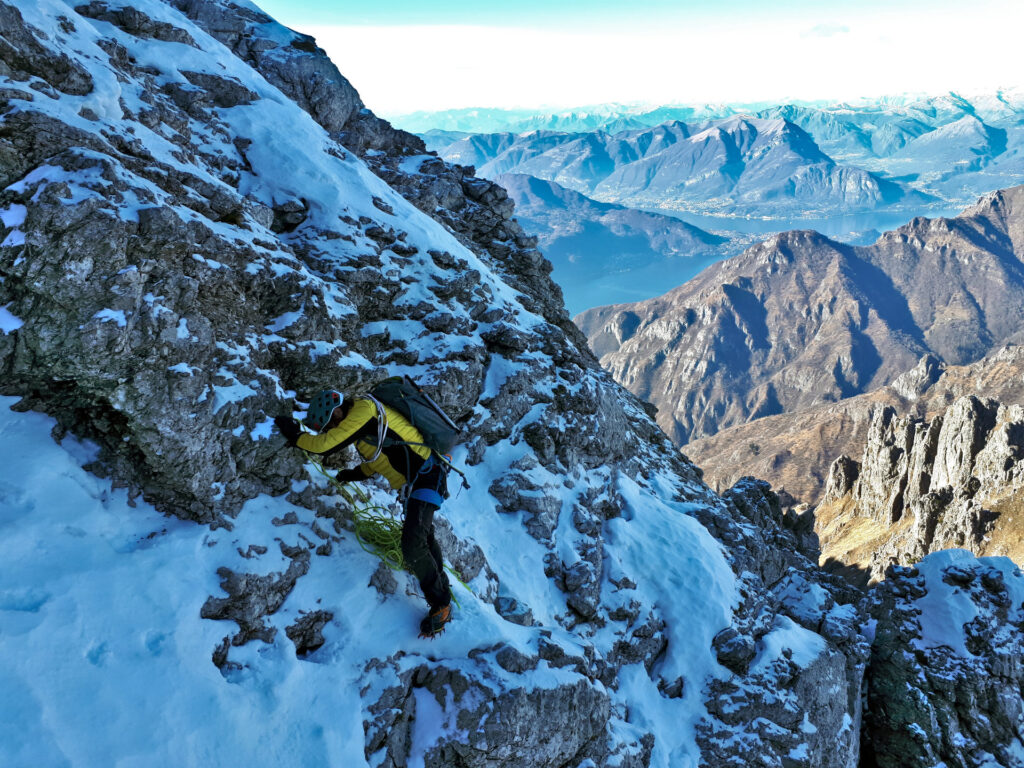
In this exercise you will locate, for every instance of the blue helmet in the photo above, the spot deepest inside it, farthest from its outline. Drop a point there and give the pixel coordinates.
(322, 408)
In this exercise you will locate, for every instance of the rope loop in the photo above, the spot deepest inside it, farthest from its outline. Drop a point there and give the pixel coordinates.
(378, 532)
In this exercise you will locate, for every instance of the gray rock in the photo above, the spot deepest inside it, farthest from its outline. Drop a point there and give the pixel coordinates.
(948, 475)
(135, 22)
(883, 477)
(966, 708)
(24, 56)
(251, 597)
(918, 379)
(734, 650)
(307, 631)
(841, 477)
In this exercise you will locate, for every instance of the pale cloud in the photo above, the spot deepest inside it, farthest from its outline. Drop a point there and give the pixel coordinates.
(401, 69)
(827, 30)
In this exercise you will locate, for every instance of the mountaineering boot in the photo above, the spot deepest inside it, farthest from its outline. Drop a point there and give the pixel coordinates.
(434, 622)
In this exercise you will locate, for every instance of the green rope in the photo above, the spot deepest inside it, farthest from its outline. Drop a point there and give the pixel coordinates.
(377, 531)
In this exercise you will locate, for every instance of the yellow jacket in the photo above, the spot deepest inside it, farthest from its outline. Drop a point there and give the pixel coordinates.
(360, 426)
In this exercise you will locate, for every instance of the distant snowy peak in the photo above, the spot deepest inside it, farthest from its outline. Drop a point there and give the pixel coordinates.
(612, 117)
(968, 128)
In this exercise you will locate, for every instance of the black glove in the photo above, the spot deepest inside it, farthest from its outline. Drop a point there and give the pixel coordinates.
(350, 475)
(288, 427)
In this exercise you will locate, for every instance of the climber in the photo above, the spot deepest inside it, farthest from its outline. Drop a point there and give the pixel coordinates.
(392, 447)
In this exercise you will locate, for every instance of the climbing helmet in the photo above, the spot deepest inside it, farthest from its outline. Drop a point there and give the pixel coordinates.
(322, 408)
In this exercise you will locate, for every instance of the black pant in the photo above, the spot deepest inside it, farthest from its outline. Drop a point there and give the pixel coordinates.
(419, 547)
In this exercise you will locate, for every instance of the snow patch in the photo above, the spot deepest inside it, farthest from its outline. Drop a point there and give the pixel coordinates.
(8, 322)
(112, 316)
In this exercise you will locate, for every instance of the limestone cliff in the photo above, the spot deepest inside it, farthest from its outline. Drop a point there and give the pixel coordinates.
(952, 481)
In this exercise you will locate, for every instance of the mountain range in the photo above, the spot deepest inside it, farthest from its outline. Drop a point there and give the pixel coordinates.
(778, 162)
(800, 320)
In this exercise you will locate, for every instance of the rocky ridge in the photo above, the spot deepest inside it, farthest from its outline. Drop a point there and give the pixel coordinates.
(952, 481)
(800, 320)
(794, 451)
(947, 691)
(176, 271)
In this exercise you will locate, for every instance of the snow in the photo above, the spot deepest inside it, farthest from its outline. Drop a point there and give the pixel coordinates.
(787, 635)
(111, 316)
(682, 570)
(282, 322)
(108, 661)
(234, 392)
(113, 659)
(14, 238)
(946, 607)
(13, 215)
(8, 322)
(263, 430)
(412, 164)
(208, 262)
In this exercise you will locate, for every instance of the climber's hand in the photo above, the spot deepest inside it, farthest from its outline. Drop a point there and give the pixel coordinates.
(350, 475)
(288, 427)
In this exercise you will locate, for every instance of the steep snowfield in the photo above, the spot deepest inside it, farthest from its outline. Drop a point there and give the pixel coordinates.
(106, 660)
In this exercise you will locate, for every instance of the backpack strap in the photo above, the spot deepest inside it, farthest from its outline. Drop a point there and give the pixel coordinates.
(383, 439)
(382, 425)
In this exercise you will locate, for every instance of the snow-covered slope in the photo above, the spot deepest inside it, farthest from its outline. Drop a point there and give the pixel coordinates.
(202, 225)
(947, 686)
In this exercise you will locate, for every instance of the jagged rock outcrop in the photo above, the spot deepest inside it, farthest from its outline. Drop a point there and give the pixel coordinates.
(758, 701)
(936, 484)
(177, 270)
(794, 451)
(800, 320)
(915, 382)
(947, 688)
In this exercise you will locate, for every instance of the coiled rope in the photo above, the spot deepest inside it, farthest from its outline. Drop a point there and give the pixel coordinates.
(377, 531)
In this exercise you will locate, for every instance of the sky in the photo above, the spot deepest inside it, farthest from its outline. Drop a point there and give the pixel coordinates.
(408, 55)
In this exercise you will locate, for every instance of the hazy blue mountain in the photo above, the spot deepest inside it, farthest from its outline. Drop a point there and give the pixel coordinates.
(741, 165)
(892, 156)
(436, 139)
(966, 143)
(747, 165)
(604, 117)
(605, 253)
